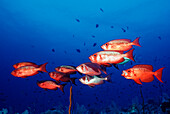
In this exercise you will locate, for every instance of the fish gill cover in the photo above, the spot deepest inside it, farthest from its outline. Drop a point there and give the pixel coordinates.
(68, 32)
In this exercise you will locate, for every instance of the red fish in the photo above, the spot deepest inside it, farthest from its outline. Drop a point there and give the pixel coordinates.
(142, 73)
(120, 44)
(52, 85)
(18, 65)
(66, 69)
(59, 76)
(92, 81)
(90, 69)
(26, 71)
(110, 57)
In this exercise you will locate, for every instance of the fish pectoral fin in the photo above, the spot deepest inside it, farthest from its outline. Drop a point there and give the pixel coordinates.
(40, 71)
(138, 81)
(57, 81)
(107, 65)
(91, 86)
(24, 76)
(45, 89)
(116, 66)
(55, 88)
(103, 68)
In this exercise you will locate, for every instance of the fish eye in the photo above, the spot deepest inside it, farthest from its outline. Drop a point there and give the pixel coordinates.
(83, 78)
(106, 44)
(128, 70)
(95, 55)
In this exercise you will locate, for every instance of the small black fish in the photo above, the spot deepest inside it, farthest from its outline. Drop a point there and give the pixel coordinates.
(127, 27)
(84, 43)
(53, 109)
(155, 86)
(121, 92)
(88, 105)
(65, 52)
(53, 50)
(93, 36)
(159, 37)
(32, 46)
(123, 29)
(97, 25)
(73, 35)
(101, 9)
(130, 85)
(111, 26)
(97, 98)
(26, 94)
(131, 62)
(94, 44)
(1, 93)
(77, 20)
(78, 50)
(3, 100)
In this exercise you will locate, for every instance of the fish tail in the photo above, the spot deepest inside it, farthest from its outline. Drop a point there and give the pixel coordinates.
(43, 67)
(73, 80)
(129, 55)
(108, 78)
(136, 42)
(158, 74)
(61, 87)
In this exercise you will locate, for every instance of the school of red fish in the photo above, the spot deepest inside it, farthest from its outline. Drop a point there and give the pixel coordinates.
(112, 54)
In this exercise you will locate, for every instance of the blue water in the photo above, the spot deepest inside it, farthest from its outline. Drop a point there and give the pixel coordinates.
(30, 29)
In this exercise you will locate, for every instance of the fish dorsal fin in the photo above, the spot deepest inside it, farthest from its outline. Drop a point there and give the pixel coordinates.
(120, 41)
(121, 52)
(109, 52)
(137, 80)
(69, 67)
(144, 66)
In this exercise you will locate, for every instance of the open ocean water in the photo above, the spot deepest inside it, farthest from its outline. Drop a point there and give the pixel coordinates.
(67, 32)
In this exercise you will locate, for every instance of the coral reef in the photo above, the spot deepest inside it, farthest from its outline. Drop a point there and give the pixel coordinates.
(4, 111)
(150, 107)
(111, 109)
(80, 109)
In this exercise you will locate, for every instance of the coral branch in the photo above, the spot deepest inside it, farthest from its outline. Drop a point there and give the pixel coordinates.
(143, 107)
(69, 111)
